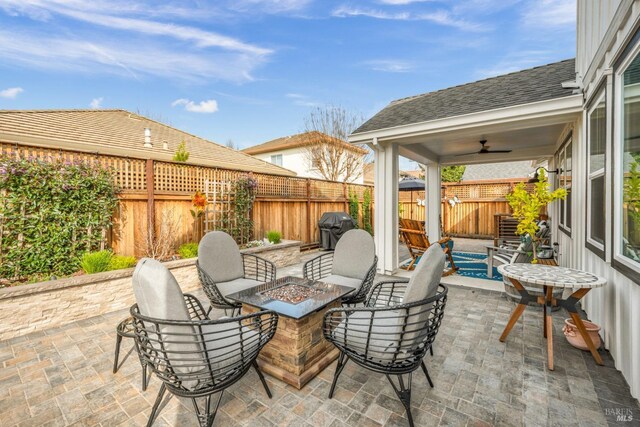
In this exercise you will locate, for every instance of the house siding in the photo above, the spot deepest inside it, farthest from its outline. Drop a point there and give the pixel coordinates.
(616, 306)
(296, 160)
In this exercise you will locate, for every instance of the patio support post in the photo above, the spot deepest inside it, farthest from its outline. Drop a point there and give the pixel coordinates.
(434, 202)
(386, 211)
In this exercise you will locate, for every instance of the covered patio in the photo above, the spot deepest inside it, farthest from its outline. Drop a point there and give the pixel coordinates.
(62, 376)
(524, 113)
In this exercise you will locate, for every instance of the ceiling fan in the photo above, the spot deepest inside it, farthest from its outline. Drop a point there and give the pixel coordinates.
(484, 150)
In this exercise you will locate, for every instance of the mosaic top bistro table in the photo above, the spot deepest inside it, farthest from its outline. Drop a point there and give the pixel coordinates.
(298, 351)
(551, 277)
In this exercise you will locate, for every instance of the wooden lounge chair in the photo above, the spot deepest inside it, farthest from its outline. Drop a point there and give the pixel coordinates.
(415, 237)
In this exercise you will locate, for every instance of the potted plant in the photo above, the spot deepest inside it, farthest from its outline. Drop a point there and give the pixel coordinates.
(528, 206)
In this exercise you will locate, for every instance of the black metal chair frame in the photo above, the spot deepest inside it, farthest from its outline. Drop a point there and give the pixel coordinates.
(420, 322)
(321, 266)
(255, 268)
(185, 374)
(126, 329)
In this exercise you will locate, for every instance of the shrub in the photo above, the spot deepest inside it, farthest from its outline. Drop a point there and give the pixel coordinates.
(96, 262)
(188, 250)
(274, 236)
(366, 211)
(354, 206)
(51, 213)
(181, 155)
(120, 262)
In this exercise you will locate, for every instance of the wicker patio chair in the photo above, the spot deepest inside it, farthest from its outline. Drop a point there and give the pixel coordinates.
(395, 329)
(353, 263)
(415, 237)
(523, 253)
(125, 329)
(195, 359)
(223, 270)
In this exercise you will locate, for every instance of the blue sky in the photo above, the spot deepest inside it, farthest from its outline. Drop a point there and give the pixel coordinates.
(251, 70)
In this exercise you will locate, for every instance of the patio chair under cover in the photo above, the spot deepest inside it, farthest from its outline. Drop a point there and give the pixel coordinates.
(395, 329)
(352, 264)
(523, 253)
(415, 237)
(194, 358)
(223, 270)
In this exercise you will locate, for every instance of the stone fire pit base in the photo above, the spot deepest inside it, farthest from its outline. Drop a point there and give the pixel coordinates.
(298, 351)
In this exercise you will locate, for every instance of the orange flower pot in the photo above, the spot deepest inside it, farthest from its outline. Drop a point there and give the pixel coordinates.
(575, 339)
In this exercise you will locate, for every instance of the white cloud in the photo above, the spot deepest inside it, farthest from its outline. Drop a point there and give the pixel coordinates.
(271, 6)
(11, 93)
(551, 13)
(87, 56)
(301, 100)
(152, 47)
(390, 65)
(208, 106)
(441, 17)
(96, 103)
(401, 2)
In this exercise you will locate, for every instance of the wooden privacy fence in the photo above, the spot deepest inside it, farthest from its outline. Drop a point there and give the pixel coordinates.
(474, 216)
(152, 191)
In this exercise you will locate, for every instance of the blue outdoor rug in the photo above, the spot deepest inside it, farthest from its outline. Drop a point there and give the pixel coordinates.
(473, 265)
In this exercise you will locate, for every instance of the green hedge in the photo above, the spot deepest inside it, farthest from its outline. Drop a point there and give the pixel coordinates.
(51, 213)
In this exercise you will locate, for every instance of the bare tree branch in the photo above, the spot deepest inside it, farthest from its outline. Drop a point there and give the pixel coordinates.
(327, 149)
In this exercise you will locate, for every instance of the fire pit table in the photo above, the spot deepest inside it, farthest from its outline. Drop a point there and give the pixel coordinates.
(298, 351)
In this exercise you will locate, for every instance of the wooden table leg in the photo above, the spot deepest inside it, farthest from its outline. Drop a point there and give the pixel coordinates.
(570, 305)
(524, 300)
(544, 314)
(548, 323)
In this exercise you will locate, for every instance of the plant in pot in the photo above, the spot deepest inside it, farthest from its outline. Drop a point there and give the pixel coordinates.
(528, 206)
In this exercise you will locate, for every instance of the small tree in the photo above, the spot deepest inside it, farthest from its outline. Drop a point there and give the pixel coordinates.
(452, 173)
(326, 147)
(366, 211)
(231, 144)
(528, 205)
(181, 155)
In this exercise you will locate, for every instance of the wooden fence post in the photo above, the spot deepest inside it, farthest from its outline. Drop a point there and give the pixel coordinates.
(309, 210)
(346, 199)
(151, 203)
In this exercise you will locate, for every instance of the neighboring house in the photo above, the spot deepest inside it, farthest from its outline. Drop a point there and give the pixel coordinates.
(294, 153)
(367, 174)
(120, 133)
(583, 116)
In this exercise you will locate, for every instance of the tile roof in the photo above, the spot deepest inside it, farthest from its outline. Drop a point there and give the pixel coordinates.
(120, 133)
(295, 141)
(518, 88)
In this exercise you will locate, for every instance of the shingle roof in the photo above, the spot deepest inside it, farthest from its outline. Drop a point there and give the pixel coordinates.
(518, 88)
(498, 171)
(120, 133)
(298, 140)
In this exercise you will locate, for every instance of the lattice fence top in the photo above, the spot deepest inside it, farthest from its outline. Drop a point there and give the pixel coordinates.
(183, 179)
(129, 174)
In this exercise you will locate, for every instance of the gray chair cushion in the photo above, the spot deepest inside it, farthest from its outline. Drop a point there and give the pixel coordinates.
(236, 285)
(159, 296)
(157, 292)
(385, 334)
(343, 281)
(426, 277)
(219, 256)
(354, 254)
(223, 344)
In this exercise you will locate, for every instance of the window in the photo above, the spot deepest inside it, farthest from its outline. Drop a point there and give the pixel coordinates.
(276, 159)
(596, 191)
(563, 160)
(628, 166)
